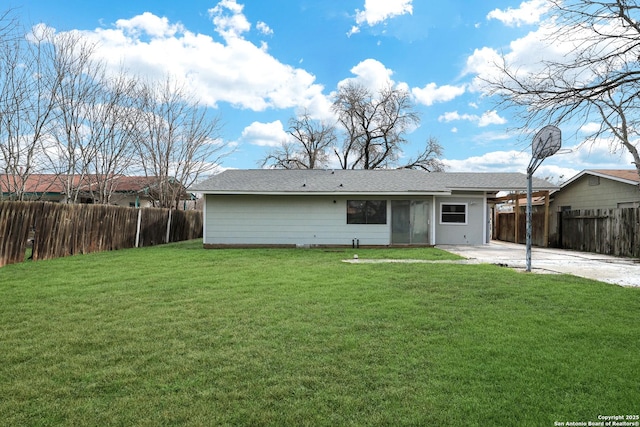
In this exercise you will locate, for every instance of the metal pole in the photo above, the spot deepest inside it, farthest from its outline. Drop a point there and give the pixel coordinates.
(543, 146)
(529, 202)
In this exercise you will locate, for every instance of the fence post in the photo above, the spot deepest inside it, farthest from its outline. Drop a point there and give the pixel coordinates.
(545, 238)
(138, 227)
(516, 237)
(166, 240)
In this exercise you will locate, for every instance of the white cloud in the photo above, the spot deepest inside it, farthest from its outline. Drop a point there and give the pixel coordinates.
(451, 116)
(228, 19)
(511, 161)
(149, 24)
(265, 134)
(527, 55)
(264, 28)
(590, 128)
(529, 12)
(557, 168)
(488, 118)
(431, 93)
(491, 118)
(370, 73)
(377, 11)
(232, 69)
(572, 159)
(496, 161)
(483, 63)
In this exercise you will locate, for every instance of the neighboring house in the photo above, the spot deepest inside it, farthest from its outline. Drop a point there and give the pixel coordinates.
(599, 189)
(133, 191)
(352, 207)
(594, 189)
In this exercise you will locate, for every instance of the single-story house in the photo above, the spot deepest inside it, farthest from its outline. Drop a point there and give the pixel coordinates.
(268, 207)
(126, 190)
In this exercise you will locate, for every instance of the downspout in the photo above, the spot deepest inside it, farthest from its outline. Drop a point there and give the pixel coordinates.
(204, 219)
(434, 216)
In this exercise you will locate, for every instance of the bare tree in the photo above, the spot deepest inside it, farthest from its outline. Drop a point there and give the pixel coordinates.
(309, 148)
(61, 112)
(597, 81)
(429, 159)
(178, 139)
(112, 126)
(375, 125)
(77, 95)
(27, 106)
(8, 25)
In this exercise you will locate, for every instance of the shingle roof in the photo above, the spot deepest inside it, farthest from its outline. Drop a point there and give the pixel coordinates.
(56, 184)
(623, 174)
(379, 181)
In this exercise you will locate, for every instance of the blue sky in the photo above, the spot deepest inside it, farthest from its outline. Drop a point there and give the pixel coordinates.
(260, 62)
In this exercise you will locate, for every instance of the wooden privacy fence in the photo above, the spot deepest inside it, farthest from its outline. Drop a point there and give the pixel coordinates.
(505, 227)
(604, 231)
(56, 230)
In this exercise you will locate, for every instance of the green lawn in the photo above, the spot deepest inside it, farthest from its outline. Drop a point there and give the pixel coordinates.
(179, 335)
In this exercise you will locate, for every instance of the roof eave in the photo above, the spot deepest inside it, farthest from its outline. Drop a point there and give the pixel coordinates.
(499, 189)
(321, 193)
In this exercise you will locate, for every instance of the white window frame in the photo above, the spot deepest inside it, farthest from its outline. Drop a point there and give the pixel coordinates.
(466, 213)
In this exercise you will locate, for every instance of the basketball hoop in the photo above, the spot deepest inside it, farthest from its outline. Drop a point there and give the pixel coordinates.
(546, 143)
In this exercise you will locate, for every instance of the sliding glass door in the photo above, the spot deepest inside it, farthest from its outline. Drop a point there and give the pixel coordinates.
(410, 222)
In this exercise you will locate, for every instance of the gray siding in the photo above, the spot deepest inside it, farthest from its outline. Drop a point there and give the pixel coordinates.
(606, 195)
(322, 220)
(286, 220)
(580, 195)
(471, 233)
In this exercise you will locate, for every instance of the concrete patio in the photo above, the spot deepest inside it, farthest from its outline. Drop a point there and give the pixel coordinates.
(605, 268)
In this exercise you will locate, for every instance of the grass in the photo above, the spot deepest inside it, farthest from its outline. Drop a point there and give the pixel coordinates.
(178, 335)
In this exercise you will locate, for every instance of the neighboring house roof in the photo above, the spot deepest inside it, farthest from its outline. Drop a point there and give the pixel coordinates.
(134, 184)
(57, 184)
(34, 184)
(360, 181)
(627, 176)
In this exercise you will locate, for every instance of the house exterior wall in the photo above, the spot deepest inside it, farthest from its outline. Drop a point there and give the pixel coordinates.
(322, 221)
(286, 220)
(129, 200)
(471, 233)
(47, 197)
(581, 194)
(608, 194)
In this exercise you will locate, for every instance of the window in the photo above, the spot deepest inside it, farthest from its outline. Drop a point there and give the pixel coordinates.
(594, 180)
(453, 213)
(366, 211)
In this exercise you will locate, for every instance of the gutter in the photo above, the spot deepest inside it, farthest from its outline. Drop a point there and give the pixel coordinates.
(319, 193)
